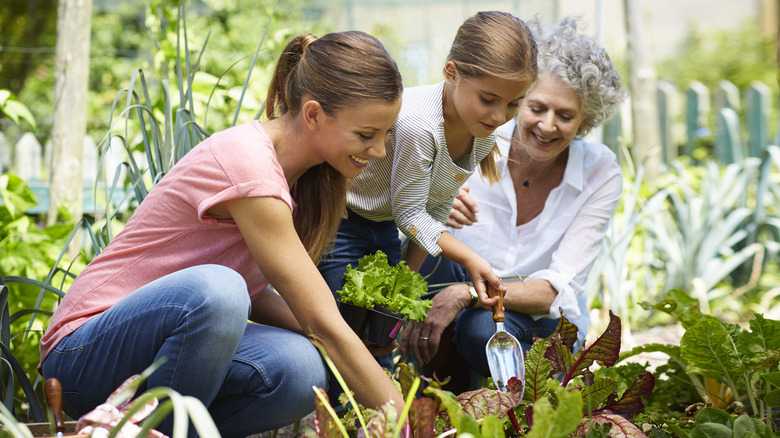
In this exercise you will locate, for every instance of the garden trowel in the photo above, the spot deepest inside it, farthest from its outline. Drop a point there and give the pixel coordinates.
(504, 353)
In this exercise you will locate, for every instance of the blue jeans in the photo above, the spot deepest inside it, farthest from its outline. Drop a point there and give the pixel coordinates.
(251, 377)
(474, 327)
(358, 236)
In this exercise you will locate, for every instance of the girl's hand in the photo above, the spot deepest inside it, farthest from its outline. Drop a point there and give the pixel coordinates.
(464, 209)
(422, 338)
(482, 274)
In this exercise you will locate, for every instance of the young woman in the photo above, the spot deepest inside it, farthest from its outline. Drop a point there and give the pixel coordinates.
(443, 132)
(545, 218)
(252, 205)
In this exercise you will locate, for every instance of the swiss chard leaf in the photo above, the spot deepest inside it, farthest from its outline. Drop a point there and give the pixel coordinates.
(461, 421)
(631, 402)
(709, 350)
(423, 413)
(620, 426)
(761, 343)
(680, 306)
(605, 349)
(747, 427)
(537, 370)
(550, 422)
(324, 423)
(594, 395)
(406, 376)
(481, 403)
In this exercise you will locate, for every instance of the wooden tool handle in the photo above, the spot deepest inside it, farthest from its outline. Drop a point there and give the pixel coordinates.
(498, 309)
(53, 391)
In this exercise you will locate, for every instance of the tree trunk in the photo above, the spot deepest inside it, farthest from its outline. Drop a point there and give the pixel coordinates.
(646, 148)
(74, 20)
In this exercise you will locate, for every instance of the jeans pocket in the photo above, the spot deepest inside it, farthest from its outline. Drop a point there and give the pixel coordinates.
(75, 405)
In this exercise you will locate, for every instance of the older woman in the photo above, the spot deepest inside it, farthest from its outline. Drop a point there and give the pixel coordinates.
(545, 219)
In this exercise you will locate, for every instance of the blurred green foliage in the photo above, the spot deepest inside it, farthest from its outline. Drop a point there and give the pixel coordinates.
(131, 35)
(740, 55)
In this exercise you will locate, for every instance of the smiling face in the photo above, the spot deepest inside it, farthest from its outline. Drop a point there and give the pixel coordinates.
(352, 137)
(482, 104)
(549, 119)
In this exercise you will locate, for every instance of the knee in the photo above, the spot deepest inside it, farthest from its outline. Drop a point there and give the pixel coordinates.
(473, 329)
(289, 380)
(221, 295)
(305, 370)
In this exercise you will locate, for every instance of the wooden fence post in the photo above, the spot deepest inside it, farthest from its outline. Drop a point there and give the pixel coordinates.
(728, 146)
(727, 96)
(697, 108)
(28, 158)
(5, 154)
(666, 93)
(757, 100)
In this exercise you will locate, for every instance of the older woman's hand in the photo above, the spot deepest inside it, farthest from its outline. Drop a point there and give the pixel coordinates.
(464, 209)
(422, 338)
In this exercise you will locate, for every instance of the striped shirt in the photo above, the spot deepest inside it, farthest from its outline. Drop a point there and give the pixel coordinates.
(416, 182)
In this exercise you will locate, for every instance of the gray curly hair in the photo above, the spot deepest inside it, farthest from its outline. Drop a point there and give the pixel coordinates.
(578, 61)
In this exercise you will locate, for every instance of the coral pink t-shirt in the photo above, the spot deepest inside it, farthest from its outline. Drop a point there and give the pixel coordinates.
(171, 230)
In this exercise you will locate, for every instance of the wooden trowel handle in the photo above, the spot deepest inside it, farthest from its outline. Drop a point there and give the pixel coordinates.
(53, 391)
(498, 309)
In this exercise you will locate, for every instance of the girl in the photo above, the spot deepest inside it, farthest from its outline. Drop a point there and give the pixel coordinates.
(443, 132)
(254, 204)
(546, 218)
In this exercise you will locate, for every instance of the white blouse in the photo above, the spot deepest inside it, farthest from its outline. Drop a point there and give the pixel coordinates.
(562, 242)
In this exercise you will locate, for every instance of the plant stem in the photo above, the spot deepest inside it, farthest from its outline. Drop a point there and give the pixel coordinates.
(513, 419)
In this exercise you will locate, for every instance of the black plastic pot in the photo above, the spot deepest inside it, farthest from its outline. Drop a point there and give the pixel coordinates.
(384, 325)
(356, 317)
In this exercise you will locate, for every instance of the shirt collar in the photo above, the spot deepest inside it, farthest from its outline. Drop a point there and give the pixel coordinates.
(574, 175)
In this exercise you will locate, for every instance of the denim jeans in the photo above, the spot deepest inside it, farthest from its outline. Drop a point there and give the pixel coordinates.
(358, 236)
(474, 327)
(251, 377)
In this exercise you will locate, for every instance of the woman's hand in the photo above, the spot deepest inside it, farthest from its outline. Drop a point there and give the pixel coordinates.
(422, 338)
(464, 209)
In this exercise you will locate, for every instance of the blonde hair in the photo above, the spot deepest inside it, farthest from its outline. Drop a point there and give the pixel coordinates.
(338, 70)
(497, 44)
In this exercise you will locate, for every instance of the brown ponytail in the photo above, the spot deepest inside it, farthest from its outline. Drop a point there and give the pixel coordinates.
(338, 70)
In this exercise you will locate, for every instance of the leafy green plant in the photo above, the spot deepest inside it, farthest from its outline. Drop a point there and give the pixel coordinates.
(186, 409)
(34, 259)
(551, 359)
(563, 397)
(729, 365)
(716, 423)
(375, 283)
(14, 109)
(698, 236)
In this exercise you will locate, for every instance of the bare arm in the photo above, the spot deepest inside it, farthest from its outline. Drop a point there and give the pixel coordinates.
(270, 309)
(415, 256)
(267, 227)
(532, 297)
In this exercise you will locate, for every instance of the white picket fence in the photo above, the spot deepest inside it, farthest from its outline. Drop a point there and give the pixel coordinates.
(31, 162)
